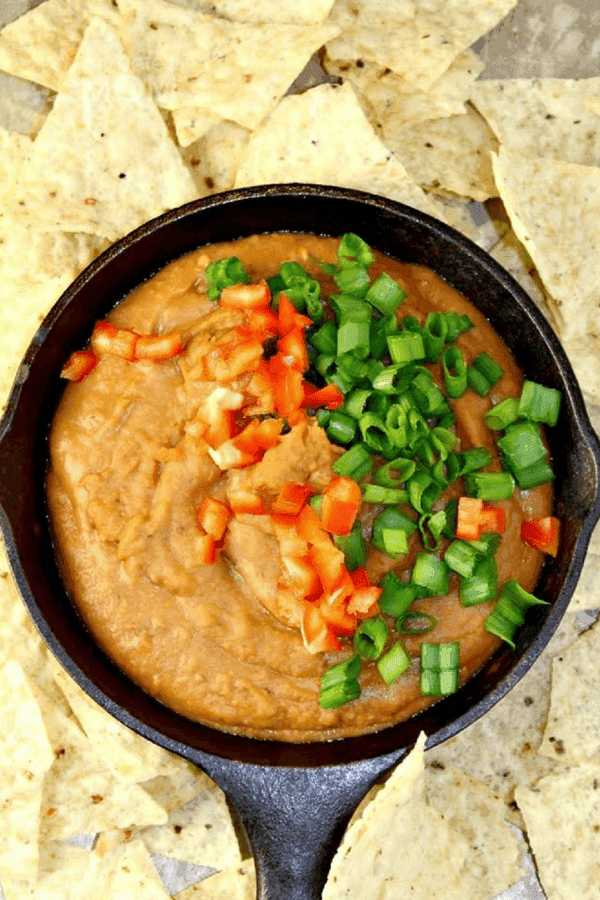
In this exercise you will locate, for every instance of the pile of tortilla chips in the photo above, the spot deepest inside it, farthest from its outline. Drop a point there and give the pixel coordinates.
(113, 111)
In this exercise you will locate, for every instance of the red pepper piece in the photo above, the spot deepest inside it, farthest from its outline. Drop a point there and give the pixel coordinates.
(364, 602)
(341, 501)
(317, 636)
(289, 392)
(293, 348)
(158, 346)
(213, 517)
(309, 527)
(291, 498)
(246, 296)
(263, 322)
(542, 533)
(79, 364)
(330, 396)
(360, 578)
(468, 521)
(107, 339)
(329, 564)
(301, 577)
(206, 549)
(222, 429)
(493, 518)
(337, 616)
(289, 317)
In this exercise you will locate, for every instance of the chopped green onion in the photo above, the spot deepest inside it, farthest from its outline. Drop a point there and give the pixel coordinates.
(353, 280)
(423, 491)
(353, 337)
(380, 329)
(474, 458)
(482, 585)
(355, 463)
(429, 399)
(435, 525)
(403, 626)
(390, 519)
(325, 339)
(395, 541)
(431, 573)
(435, 331)
(510, 611)
(439, 668)
(224, 273)
(375, 434)
(490, 485)
(385, 295)
(522, 445)
(340, 693)
(322, 417)
(393, 663)
(348, 669)
(375, 493)
(396, 595)
(542, 404)
(325, 364)
(442, 441)
(396, 472)
(455, 372)
(502, 414)
(456, 325)
(341, 429)
(370, 638)
(537, 473)
(352, 249)
(353, 547)
(461, 557)
(406, 347)
(483, 373)
(393, 379)
(487, 544)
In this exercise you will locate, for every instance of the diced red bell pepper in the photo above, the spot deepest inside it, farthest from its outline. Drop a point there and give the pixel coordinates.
(213, 517)
(493, 519)
(288, 392)
(228, 456)
(341, 501)
(337, 616)
(364, 602)
(268, 433)
(289, 317)
(297, 417)
(229, 360)
(360, 578)
(260, 389)
(468, 520)
(107, 339)
(542, 533)
(293, 348)
(329, 563)
(329, 396)
(317, 636)
(206, 549)
(309, 526)
(246, 502)
(246, 296)
(263, 322)
(291, 498)
(157, 347)
(79, 364)
(301, 577)
(222, 429)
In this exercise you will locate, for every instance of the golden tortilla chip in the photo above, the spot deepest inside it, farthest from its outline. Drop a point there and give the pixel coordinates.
(103, 162)
(24, 105)
(386, 95)
(191, 124)
(562, 815)
(451, 154)
(41, 45)
(215, 159)
(584, 356)
(227, 68)
(237, 883)
(309, 12)
(135, 875)
(572, 733)
(553, 207)
(13, 149)
(25, 757)
(67, 872)
(417, 41)
(548, 117)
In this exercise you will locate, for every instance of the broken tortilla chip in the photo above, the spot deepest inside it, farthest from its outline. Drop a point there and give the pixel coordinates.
(237, 883)
(309, 12)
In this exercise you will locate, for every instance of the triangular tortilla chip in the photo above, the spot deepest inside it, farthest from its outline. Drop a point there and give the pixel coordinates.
(237, 883)
(215, 64)
(41, 45)
(547, 117)
(13, 150)
(419, 41)
(103, 163)
(553, 208)
(24, 105)
(308, 12)
(562, 814)
(135, 875)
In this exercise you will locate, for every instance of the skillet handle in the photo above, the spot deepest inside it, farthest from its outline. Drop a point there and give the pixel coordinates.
(295, 817)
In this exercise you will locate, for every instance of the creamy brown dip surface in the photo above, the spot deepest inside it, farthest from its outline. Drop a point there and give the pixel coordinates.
(127, 476)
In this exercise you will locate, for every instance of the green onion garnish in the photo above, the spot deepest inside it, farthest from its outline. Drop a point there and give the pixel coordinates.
(406, 347)
(355, 463)
(224, 273)
(370, 638)
(385, 295)
(431, 573)
(482, 585)
(489, 485)
(502, 414)
(325, 339)
(439, 668)
(539, 403)
(341, 429)
(483, 373)
(428, 623)
(353, 547)
(462, 557)
(391, 519)
(393, 663)
(510, 611)
(396, 595)
(455, 372)
(353, 249)
(339, 683)
(375, 493)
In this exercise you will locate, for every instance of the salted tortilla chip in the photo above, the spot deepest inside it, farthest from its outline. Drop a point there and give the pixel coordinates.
(81, 795)
(129, 756)
(215, 159)
(24, 105)
(135, 875)
(500, 748)
(547, 117)
(103, 162)
(386, 95)
(13, 149)
(65, 871)
(25, 757)
(572, 733)
(508, 257)
(237, 883)
(309, 12)
(452, 154)
(554, 210)
(41, 44)
(231, 69)
(191, 124)
(562, 815)
(584, 356)
(417, 41)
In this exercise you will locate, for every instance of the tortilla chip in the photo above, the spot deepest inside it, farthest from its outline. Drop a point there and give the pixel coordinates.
(135, 875)
(548, 117)
(572, 733)
(25, 757)
(41, 45)
(238, 883)
(553, 207)
(500, 748)
(584, 356)
(452, 154)
(417, 41)
(387, 96)
(215, 159)
(65, 871)
(191, 124)
(562, 814)
(81, 795)
(13, 149)
(103, 162)
(216, 65)
(309, 12)
(508, 257)
(24, 105)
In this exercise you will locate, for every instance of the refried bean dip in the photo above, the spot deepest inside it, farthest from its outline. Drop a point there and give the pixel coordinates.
(236, 629)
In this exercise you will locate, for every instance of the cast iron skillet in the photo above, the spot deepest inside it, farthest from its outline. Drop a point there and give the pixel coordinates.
(294, 800)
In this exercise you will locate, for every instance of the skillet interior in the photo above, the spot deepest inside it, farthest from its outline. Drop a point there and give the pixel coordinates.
(394, 229)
